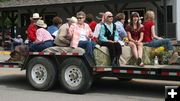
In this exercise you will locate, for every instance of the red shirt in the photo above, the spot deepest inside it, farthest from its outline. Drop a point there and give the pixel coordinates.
(147, 31)
(135, 33)
(92, 25)
(32, 32)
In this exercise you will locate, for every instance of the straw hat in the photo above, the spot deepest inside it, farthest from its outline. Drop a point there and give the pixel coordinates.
(41, 23)
(35, 16)
(72, 19)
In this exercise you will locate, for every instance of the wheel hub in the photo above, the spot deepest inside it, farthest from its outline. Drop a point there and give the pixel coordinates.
(39, 73)
(73, 76)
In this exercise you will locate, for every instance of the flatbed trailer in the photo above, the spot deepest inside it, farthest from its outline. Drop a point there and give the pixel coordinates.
(76, 71)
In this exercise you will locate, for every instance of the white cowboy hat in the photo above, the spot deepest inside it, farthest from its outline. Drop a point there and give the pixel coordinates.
(41, 23)
(35, 16)
(72, 19)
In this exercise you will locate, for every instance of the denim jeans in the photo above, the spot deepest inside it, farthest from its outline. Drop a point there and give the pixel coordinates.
(40, 47)
(14, 44)
(157, 43)
(88, 46)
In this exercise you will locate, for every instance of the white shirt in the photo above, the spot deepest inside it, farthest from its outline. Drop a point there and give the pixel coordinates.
(18, 40)
(97, 30)
(55, 33)
(83, 35)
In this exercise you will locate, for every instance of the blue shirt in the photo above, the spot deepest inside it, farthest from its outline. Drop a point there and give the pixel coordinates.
(51, 29)
(121, 30)
(102, 33)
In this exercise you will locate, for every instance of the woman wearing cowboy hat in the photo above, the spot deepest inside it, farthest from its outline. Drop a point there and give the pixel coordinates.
(43, 38)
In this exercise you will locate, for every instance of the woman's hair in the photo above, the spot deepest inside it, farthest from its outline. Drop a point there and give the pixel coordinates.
(120, 16)
(149, 15)
(89, 18)
(57, 20)
(135, 14)
(81, 13)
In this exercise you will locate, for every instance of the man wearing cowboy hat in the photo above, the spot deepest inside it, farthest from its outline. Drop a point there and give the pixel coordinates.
(32, 27)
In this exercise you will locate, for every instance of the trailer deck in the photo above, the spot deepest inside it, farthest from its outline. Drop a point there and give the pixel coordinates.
(75, 66)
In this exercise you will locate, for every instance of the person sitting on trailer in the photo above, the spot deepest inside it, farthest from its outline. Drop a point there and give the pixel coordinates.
(109, 37)
(80, 34)
(57, 22)
(61, 38)
(43, 38)
(152, 40)
(135, 31)
(120, 28)
(31, 31)
(98, 27)
(90, 20)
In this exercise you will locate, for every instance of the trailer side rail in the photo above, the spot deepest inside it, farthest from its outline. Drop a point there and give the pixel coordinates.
(19, 64)
(164, 73)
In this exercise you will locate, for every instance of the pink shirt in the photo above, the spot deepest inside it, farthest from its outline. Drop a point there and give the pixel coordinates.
(74, 33)
(42, 35)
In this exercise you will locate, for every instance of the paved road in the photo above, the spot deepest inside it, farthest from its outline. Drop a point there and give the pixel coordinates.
(14, 87)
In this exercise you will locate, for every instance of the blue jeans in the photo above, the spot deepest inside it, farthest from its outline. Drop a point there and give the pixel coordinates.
(157, 43)
(88, 46)
(40, 47)
(14, 44)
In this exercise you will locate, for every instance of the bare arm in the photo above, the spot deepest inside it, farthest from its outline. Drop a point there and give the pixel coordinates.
(154, 33)
(141, 37)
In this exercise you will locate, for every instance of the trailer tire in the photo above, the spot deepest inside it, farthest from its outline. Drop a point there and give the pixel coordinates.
(74, 76)
(41, 73)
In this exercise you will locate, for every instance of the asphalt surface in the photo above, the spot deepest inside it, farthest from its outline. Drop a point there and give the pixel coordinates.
(15, 87)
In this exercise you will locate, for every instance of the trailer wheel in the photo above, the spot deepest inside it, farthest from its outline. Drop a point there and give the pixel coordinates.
(74, 76)
(41, 73)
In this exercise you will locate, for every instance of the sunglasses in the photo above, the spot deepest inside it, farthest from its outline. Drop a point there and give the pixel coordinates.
(109, 16)
(80, 17)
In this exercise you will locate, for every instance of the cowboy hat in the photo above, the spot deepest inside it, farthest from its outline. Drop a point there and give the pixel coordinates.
(35, 16)
(41, 23)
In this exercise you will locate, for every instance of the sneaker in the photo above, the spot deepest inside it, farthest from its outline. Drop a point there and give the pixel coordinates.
(174, 58)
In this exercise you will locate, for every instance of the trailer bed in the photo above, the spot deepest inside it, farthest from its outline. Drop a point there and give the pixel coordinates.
(162, 72)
